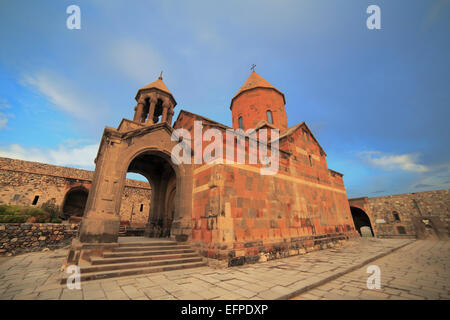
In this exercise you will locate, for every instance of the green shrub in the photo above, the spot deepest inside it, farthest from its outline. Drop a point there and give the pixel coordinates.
(20, 214)
(11, 211)
(42, 218)
(34, 212)
(3, 208)
(13, 218)
(56, 220)
(52, 209)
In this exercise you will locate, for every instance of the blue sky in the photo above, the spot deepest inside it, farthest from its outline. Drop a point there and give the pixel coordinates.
(377, 100)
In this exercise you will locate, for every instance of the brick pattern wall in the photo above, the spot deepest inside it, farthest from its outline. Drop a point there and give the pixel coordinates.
(21, 181)
(252, 106)
(240, 215)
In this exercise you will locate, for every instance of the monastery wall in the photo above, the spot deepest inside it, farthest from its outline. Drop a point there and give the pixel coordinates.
(25, 182)
(402, 215)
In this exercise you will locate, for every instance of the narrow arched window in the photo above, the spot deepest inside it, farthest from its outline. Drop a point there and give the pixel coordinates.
(241, 124)
(396, 216)
(35, 200)
(269, 116)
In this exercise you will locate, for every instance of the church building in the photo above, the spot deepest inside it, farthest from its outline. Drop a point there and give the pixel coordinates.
(228, 210)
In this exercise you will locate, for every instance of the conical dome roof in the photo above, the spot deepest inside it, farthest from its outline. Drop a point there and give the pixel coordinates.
(159, 85)
(255, 81)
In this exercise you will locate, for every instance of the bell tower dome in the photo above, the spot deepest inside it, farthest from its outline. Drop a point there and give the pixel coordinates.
(155, 104)
(257, 100)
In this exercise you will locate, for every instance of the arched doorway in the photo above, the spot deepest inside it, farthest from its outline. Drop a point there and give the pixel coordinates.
(75, 202)
(157, 168)
(361, 219)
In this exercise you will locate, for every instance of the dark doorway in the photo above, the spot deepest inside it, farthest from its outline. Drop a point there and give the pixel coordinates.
(75, 202)
(361, 219)
(157, 168)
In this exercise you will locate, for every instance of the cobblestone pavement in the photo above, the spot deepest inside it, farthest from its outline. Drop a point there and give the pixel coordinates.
(419, 271)
(35, 275)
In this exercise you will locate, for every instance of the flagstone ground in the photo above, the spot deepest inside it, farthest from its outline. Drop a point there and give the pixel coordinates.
(418, 271)
(410, 269)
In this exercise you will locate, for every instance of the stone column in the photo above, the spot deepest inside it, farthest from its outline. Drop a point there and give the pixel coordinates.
(164, 113)
(151, 111)
(138, 114)
(101, 219)
(169, 116)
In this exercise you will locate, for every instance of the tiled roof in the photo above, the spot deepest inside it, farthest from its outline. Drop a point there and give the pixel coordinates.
(256, 81)
(158, 84)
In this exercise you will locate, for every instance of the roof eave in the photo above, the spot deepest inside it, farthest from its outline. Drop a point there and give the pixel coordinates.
(258, 87)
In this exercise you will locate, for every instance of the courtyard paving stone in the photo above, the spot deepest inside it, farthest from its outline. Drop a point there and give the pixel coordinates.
(276, 279)
(418, 271)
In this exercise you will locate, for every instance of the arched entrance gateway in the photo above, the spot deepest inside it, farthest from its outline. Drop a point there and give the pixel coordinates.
(159, 172)
(75, 202)
(361, 219)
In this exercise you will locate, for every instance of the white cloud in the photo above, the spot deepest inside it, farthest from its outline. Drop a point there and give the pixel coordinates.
(4, 117)
(406, 162)
(437, 178)
(82, 156)
(3, 120)
(64, 95)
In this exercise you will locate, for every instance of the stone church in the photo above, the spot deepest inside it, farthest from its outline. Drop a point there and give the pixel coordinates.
(227, 210)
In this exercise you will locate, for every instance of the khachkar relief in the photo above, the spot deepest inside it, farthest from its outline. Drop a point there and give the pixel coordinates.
(111, 186)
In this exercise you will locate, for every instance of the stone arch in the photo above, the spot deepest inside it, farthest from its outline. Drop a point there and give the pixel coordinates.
(165, 179)
(360, 219)
(116, 153)
(75, 202)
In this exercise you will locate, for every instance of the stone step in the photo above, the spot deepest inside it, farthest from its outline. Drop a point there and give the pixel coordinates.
(98, 261)
(133, 265)
(150, 248)
(147, 244)
(134, 271)
(145, 253)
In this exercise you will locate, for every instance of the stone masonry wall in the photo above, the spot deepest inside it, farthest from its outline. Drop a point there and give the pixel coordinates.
(26, 237)
(408, 206)
(241, 216)
(21, 181)
(411, 208)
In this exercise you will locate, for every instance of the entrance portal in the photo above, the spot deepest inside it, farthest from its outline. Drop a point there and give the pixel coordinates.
(361, 219)
(157, 168)
(75, 202)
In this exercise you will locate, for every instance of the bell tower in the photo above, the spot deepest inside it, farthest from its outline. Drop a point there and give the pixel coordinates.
(155, 104)
(256, 101)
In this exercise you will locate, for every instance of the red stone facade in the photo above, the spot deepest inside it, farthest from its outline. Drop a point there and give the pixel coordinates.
(237, 212)
(254, 100)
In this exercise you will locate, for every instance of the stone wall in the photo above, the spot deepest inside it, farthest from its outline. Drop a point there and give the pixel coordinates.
(242, 216)
(27, 237)
(401, 215)
(22, 182)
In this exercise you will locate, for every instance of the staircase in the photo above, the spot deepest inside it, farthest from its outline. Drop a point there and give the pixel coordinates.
(122, 231)
(133, 257)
